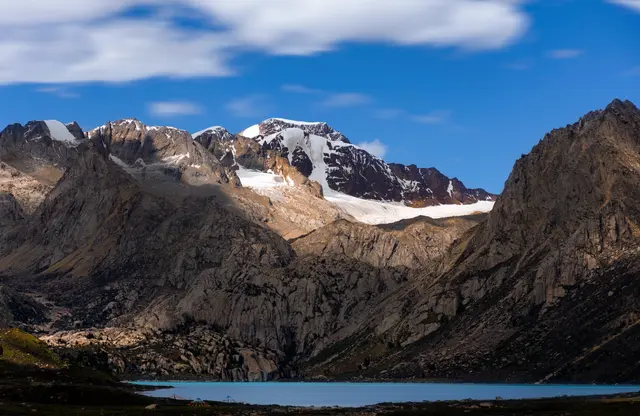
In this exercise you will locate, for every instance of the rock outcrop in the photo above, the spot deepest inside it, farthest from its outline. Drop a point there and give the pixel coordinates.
(416, 243)
(37, 151)
(155, 153)
(184, 353)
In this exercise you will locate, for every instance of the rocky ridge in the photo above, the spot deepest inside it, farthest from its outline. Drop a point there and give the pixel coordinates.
(153, 153)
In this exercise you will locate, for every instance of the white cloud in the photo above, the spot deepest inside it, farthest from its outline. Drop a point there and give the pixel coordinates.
(434, 117)
(60, 41)
(320, 25)
(346, 99)
(61, 92)
(300, 89)
(116, 51)
(565, 53)
(174, 108)
(375, 147)
(253, 106)
(388, 113)
(634, 4)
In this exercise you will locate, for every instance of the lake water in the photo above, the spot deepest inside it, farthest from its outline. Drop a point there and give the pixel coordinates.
(363, 394)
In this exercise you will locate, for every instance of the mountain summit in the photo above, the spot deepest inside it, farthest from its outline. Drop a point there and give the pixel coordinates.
(326, 156)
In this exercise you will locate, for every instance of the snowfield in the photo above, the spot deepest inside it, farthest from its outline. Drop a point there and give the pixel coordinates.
(259, 180)
(363, 210)
(60, 133)
(376, 212)
(252, 132)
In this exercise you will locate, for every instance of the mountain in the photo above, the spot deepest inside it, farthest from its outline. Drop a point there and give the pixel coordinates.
(158, 152)
(546, 288)
(326, 156)
(43, 149)
(543, 288)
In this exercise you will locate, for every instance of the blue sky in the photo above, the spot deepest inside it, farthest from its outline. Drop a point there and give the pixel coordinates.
(465, 86)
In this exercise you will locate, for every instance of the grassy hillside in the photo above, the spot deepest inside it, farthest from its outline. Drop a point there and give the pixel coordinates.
(21, 348)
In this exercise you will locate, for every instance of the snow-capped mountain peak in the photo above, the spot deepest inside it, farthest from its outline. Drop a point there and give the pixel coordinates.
(324, 155)
(212, 129)
(275, 125)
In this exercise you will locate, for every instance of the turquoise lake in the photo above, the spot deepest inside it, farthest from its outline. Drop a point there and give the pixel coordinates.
(363, 394)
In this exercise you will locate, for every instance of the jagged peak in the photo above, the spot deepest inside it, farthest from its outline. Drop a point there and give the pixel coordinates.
(219, 129)
(276, 124)
(618, 104)
(139, 126)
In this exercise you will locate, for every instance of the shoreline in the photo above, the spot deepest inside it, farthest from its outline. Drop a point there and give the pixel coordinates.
(368, 381)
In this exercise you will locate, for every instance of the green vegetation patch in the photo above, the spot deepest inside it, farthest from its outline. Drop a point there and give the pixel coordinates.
(20, 348)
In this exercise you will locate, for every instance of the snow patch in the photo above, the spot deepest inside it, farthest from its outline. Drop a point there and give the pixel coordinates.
(118, 161)
(176, 158)
(300, 123)
(201, 132)
(60, 133)
(450, 189)
(251, 132)
(315, 147)
(259, 180)
(376, 212)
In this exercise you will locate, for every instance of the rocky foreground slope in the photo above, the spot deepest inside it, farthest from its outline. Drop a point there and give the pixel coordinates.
(542, 289)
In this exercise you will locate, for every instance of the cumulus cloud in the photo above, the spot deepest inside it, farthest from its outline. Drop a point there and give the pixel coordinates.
(375, 147)
(565, 53)
(174, 108)
(633, 4)
(61, 41)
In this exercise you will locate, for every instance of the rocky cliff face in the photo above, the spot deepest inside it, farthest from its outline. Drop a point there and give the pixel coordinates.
(543, 290)
(416, 243)
(155, 153)
(116, 254)
(42, 149)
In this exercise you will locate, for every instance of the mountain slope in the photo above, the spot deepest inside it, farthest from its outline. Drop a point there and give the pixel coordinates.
(415, 243)
(546, 288)
(115, 254)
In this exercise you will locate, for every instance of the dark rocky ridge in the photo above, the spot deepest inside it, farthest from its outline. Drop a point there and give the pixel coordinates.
(546, 288)
(31, 149)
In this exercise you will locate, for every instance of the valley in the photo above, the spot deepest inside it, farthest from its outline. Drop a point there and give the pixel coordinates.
(286, 252)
